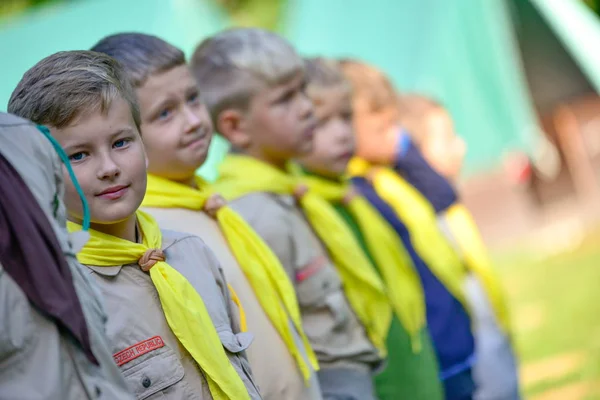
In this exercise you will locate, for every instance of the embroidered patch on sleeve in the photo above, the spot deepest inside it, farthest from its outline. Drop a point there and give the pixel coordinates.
(137, 350)
(312, 268)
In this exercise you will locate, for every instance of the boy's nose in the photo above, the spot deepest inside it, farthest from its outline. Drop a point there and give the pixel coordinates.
(108, 169)
(306, 107)
(193, 120)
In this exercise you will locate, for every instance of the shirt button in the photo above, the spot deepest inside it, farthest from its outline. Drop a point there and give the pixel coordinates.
(146, 382)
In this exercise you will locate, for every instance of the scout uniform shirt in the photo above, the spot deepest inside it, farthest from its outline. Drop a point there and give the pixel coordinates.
(334, 331)
(274, 368)
(37, 360)
(143, 345)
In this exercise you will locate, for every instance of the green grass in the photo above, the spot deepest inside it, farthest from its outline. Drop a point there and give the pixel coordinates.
(564, 291)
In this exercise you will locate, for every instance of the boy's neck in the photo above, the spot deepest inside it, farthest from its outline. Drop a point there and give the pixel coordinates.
(279, 164)
(187, 181)
(327, 177)
(124, 229)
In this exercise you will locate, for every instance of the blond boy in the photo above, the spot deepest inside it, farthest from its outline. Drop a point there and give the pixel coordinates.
(253, 84)
(171, 321)
(177, 132)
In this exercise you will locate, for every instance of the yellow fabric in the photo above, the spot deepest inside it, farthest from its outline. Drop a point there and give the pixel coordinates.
(261, 266)
(404, 285)
(466, 234)
(184, 309)
(241, 175)
(421, 220)
(238, 303)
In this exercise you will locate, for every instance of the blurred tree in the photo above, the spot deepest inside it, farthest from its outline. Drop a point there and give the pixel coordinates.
(10, 7)
(594, 5)
(261, 13)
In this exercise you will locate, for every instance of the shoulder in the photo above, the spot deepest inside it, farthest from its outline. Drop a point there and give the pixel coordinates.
(187, 252)
(266, 213)
(182, 242)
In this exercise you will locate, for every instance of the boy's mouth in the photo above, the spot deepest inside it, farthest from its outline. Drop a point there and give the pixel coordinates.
(114, 192)
(200, 138)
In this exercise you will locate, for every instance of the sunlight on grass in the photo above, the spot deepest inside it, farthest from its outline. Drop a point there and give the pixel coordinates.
(555, 307)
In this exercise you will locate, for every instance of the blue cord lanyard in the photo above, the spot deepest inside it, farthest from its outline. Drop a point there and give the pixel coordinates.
(65, 159)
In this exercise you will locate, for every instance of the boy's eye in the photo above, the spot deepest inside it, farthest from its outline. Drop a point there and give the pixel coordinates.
(347, 116)
(321, 122)
(193, 98)
(164, 114)
(286, 97)
(77, 156)
(121, 142)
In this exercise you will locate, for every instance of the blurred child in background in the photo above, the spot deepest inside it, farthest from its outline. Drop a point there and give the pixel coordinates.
(431, 131)
(441, 271)
(412, 371)
(427, 156)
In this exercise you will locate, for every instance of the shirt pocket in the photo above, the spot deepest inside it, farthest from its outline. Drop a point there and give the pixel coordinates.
(235, 345)
(153, 375)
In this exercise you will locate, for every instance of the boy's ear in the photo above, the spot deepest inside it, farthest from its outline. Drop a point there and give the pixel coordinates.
(231, 124)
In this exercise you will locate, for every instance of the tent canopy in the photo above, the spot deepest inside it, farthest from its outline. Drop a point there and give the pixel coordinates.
(464, 54)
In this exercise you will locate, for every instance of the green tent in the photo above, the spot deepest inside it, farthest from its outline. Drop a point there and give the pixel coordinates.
(469, 54)
(80, 24)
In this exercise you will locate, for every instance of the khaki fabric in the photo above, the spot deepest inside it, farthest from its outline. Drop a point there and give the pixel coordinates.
(274, 368)
(153, 362)
(333, 329)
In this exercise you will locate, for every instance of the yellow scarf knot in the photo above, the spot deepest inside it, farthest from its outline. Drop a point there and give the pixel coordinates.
(213, 204)
(349, 196)
(150, 258)
(300, 191)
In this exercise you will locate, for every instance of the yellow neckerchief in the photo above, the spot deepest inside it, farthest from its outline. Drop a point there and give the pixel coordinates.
(420, 219)
(241, 175)
(403, 282)
(184, 309)
(261, 266)
(466, 235)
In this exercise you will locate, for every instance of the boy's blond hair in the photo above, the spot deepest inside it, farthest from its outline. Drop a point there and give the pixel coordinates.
(65, 85)
(414, 109)
(235, 65)
(141, 55)
(369, 84)
(323, 73)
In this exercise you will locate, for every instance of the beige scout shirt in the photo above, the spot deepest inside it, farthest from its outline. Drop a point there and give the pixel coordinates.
(333, 329)
(37, 361)
(154, 363)
(272, 365)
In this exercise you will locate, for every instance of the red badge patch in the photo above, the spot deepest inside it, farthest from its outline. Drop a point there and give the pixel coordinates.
(312, 268)
(137, 350)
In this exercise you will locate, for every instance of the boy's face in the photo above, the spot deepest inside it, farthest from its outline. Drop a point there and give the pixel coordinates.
(334, 137)
(279, 123)
(441, 146)
(377, 132)
(108, 158)
(175, 126)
